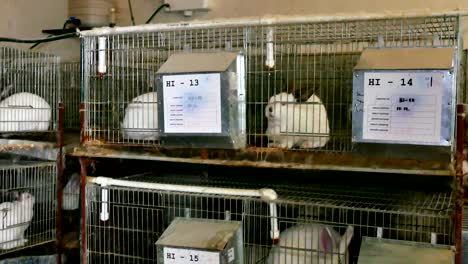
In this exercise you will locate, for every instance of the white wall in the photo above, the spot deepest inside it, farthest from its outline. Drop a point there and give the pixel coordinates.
(27, 18)
(253, 8)
(249, 8)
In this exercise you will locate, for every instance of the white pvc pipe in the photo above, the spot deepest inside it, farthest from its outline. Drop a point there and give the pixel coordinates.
(266, 195)
(275, 233)
(102, 47)
(270, 52)
(104, 215)
(433, 238)
(261, 21)
(379, 232)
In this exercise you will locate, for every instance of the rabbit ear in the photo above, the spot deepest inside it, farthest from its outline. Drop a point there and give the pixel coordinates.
(346, 239)
(326, 240)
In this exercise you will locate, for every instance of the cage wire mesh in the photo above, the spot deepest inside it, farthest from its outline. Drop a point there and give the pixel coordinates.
(138, 217)
(30, 91)
(71, 94)
(48, 259)
(28, 204)
(465, 234)
(303, 59)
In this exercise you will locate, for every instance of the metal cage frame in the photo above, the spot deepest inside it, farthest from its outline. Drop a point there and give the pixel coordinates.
(71, 87)
(298, 56)
(38, 178)
(38, 75)
(134, 45)
(137, 209)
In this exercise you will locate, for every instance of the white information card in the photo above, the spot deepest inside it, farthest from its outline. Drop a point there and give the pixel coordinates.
(404, 106)
(188, 256)
(192, 103)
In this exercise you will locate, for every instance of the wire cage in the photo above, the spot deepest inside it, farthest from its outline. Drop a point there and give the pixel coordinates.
(465, 235)
(71, 94)
(28, 192)
(135, 217)
(30, 91)
(303, 59)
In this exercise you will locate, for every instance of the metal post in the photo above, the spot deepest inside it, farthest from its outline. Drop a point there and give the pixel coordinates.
(60, 168)
(84, 164)
(459, 183)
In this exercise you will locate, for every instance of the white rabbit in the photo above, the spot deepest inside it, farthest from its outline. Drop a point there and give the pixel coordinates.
(24, 112)
(71, 193)
(289, 122)
(15, 219)
(311, 243)
(141, 118)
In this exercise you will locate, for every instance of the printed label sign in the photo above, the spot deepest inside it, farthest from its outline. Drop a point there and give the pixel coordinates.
(192, 103)
(187, 256)
(404, 106)
(231, 255)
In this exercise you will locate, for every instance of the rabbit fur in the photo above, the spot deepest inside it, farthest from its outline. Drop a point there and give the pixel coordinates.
(286, 116)
(141, 118)
(71, 193)
(24, 112)
(16, 218)
(315, 243)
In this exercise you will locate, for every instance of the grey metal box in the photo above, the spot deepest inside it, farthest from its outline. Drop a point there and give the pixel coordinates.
(189, 240)
(203, 100)
(383, 251)
(405, 96)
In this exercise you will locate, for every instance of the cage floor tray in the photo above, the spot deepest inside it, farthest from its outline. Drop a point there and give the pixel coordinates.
(386, 251)
(256, 157)
(199, 233)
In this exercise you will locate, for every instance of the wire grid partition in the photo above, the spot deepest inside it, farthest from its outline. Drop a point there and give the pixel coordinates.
(28, 192)
(298, 58)
(138, 217)
(71, 81)
(30, 91)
